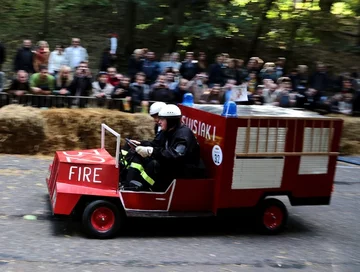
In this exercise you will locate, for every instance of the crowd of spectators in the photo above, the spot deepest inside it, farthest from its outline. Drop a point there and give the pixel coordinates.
(65, 72)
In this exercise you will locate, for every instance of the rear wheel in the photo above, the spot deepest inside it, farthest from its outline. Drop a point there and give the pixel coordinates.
(271, 216)
(102, 219)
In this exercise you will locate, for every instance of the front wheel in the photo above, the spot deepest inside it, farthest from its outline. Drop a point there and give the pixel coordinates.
(271, 216)
(101, 219)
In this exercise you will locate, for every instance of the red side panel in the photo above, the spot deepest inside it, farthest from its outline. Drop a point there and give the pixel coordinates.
(193, 195)
(147, 201)
(183, 195)
(209, 130)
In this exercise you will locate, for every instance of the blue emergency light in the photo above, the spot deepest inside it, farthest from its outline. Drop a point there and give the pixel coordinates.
(229, 109)
(188, 100)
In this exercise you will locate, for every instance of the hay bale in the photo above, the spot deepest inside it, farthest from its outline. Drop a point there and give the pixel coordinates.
(21, 129)
(350, 139)
(68, 129)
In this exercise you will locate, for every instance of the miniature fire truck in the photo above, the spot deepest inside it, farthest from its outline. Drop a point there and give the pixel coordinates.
(251, 156)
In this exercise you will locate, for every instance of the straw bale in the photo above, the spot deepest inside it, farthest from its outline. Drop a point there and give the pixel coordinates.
(21, 129)
(350, 138)
(68, 129)
(27, 130)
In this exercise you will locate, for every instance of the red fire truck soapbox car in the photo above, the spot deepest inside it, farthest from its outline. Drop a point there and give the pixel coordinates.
(251, 157)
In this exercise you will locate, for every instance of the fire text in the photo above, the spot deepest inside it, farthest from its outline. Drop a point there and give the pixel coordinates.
(87, 174)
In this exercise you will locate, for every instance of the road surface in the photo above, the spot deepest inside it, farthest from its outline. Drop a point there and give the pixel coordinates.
(320, 238)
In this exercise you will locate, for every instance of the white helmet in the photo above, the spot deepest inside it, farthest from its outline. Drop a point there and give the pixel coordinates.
(170, 111)
(156, 107)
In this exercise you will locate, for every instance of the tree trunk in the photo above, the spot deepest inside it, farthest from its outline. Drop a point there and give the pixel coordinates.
(177, 10)
(291, 45)
(129, 23)
(258, 31)
(46, 19)
(325, 5)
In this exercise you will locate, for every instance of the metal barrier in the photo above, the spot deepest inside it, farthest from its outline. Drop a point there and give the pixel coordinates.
(66, 101)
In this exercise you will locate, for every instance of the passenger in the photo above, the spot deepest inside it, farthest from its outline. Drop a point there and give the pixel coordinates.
(154, 111)
(173, 150)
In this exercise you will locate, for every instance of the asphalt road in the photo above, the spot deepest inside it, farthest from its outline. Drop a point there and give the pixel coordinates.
(320, 238)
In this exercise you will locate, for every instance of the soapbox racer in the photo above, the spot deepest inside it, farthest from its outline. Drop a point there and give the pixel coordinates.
(250, 157)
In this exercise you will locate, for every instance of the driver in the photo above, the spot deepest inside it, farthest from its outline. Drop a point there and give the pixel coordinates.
(172, 151)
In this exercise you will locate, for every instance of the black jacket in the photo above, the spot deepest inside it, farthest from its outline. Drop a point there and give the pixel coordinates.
(188, 70)
(176, 149)
(24, 60)
(80, 86)
(137, 94)
(162, 94)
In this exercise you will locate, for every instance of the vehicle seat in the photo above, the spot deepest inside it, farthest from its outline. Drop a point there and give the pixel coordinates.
(190, 171)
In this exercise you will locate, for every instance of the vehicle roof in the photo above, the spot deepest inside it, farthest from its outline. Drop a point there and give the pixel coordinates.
(263, 111)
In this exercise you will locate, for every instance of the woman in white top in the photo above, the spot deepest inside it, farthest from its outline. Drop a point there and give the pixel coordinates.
(56, 60)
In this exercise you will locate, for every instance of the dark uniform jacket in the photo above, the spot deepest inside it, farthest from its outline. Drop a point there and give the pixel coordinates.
(176, 150)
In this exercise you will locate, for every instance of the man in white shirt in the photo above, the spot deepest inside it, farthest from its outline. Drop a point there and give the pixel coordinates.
(75, 54)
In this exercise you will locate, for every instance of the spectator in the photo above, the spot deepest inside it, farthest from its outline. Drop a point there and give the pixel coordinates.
(107, 60)
(268, 72)
(135, 63)
(258, 98)
(202, 64)
(41, 55)
(280, 66)
(113, 44)
(164, 64)
(161, 92)
(81, 85)
(150, 68)
(113, 76)
(174, 63)
(24, 58)
(2, 55)
(216, 75)
(121, 91)
(75, 54)
(243, 73)
(42, 83)
(252, 83)
(170, 81)
(63, 80)
(20, 86)
(139, 92)
(230, 72)
(189, 68)
(182, 88)
(215, 95)
(252, 65)
(319, 81)
(199, 87)
(101, 89)
(56, 60)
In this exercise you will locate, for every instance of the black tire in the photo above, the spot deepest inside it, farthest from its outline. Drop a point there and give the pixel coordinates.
(102, 219)
(271, 216)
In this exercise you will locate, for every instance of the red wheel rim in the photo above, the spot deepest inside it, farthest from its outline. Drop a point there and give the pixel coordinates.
(273, 217)
(103, 219)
